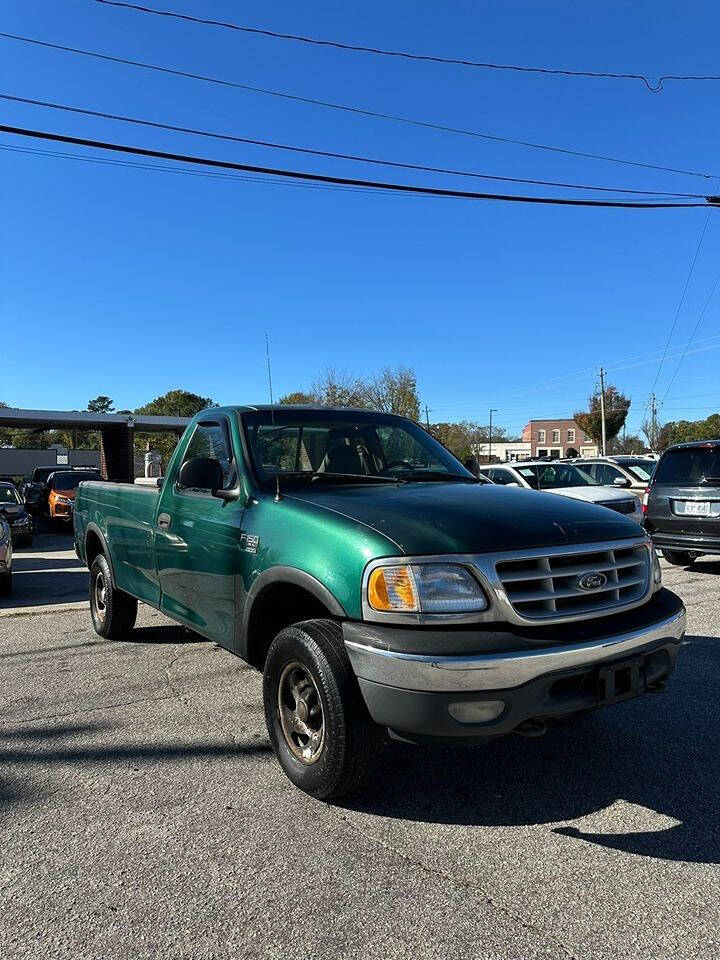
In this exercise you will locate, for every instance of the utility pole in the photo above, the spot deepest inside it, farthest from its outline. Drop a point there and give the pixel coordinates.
(653, 423)
(602, 408)
(492, 411)
(427, 418)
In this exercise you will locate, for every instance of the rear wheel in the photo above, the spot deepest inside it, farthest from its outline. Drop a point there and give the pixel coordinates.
(319, 726)
(680, 558)
(113, 612)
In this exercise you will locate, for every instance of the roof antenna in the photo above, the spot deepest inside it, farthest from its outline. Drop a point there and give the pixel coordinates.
(278, 497)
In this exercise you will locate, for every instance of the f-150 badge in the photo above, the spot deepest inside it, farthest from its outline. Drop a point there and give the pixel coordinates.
(249, 542)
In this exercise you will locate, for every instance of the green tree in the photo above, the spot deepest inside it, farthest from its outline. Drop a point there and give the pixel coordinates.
(463, 438)
(6, 438)
(394, 390)
(101, 404)
(617, 406)
(631, 443)
(298, 396)
(685, 431)
(174, 403)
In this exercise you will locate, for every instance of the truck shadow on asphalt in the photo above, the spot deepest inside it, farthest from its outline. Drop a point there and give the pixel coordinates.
(660, 753)
(28, 745)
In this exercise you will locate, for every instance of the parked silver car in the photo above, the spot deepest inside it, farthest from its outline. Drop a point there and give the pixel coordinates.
(6, 553)
(565, 479)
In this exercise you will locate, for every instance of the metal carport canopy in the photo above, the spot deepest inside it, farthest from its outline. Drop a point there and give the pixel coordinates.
(86, 420)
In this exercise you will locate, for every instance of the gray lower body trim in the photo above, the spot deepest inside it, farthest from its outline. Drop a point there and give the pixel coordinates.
(503, 671)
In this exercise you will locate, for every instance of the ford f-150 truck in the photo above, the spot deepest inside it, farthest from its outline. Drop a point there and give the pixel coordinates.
(379, 586)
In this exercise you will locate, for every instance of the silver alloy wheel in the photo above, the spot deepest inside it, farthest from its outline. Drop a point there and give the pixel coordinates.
(100, 594)
(301, 714)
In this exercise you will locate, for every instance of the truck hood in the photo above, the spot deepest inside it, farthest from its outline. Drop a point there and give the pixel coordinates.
(426, 518)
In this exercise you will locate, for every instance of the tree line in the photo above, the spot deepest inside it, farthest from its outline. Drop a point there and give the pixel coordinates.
(391, 390)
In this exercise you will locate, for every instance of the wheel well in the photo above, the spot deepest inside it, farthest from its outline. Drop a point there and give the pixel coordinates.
(278, 606)
(93, 547)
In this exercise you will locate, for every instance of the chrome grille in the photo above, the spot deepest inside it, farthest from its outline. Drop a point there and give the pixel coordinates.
(547, 586)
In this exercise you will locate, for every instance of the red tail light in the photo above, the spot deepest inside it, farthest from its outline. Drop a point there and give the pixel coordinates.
(646, 497)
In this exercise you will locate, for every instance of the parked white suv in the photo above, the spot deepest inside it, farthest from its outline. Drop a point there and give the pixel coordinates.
(625, 472)
(566, 479)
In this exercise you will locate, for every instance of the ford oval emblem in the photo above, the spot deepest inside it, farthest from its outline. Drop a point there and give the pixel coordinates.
(592, 581)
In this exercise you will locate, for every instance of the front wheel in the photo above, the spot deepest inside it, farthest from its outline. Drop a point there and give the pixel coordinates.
(680, 558)
(113, 612)
(321, 732)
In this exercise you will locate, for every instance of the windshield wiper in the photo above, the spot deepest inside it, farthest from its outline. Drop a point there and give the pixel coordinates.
(422, 475)
(356, 477)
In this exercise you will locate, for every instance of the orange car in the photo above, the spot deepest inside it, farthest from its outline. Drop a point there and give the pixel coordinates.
(62, 487)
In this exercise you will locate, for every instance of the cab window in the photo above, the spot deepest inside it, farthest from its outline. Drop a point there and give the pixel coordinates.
(211, 440)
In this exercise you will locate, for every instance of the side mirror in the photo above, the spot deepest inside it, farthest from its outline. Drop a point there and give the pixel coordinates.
(621, 482)
(513, 483)
(201, 473)
(473, 466)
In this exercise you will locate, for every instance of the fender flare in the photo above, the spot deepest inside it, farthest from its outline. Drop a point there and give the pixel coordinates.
(286, 575)
(95, 529)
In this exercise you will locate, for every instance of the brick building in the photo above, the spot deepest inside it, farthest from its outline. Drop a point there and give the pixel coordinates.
(558, 438)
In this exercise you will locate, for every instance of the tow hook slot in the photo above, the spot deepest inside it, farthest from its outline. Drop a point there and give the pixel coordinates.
(531, 728)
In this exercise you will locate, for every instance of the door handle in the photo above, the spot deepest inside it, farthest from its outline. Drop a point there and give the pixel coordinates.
(164, 520)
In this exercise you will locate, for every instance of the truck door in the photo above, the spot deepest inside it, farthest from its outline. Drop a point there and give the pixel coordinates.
(197, 540)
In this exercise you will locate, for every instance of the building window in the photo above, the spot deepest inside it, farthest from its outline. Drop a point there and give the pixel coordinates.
(556, 436)
(571, 436)
(541, 436)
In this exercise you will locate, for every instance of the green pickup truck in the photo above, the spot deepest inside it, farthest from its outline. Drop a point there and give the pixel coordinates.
(379, 585)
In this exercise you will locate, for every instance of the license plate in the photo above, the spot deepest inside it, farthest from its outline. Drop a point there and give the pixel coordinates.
(697, 508)
(620, 681)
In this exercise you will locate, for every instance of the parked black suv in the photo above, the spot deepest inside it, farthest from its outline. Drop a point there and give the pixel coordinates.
(682, 503)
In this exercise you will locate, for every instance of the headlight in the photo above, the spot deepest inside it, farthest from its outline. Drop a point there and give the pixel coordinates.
(63, 500)
(656, 569)
(424, 588)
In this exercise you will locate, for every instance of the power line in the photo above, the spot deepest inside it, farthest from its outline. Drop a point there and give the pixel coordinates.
(161, 168)
(395, 118)
(692, 337)
(680, 304)
(345, 181)
(334, 155)
(406, 54)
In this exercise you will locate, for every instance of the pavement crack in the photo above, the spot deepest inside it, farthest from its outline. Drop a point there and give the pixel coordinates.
(474, 888)
(207, 717)
(84, 710)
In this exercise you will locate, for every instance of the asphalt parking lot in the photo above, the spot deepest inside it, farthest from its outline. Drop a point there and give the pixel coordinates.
(142, 813)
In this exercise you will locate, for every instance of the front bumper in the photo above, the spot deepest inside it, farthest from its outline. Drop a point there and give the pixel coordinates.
(410, 692)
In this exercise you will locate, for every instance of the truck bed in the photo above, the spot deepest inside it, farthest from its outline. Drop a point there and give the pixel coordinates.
(123, 515)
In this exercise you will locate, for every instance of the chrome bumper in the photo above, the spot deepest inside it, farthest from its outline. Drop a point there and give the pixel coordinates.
(503, 671)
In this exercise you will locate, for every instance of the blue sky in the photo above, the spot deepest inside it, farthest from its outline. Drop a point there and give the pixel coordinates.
(131, 282)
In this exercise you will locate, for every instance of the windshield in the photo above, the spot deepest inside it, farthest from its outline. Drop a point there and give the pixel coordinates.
(642, 469)
(316, 445)
(40, 474)
(9, 495)
(70, 481)
(552, 476)
(689, 467)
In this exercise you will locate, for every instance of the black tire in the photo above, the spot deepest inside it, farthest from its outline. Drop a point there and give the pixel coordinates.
(5, 584)
(680, 558)
(113, 612)
(349, 740)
